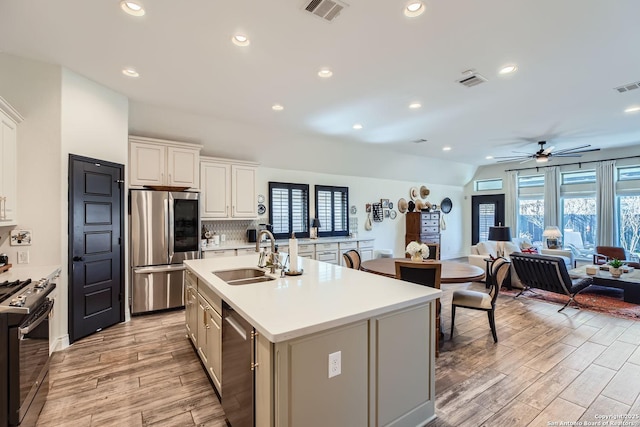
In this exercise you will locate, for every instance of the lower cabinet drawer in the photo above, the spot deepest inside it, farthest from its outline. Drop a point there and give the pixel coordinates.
(347, 246)
(426, 230)
(219, 253)
(320, 247)
(246, 251)
(365, 244)
(328, 256)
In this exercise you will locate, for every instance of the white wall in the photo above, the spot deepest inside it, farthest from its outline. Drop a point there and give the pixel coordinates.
(94, 123)
(33, 88)
(64, 113)
(271, 147)
(388, 234)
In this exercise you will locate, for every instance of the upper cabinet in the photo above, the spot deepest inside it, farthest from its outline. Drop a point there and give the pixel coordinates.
(228, 189)
(164, 163)
(9, 119)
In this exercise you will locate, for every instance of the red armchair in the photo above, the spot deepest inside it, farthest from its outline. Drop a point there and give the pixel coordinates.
(606, 253)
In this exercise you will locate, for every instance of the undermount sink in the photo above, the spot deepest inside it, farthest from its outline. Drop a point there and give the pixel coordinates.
(243, 276)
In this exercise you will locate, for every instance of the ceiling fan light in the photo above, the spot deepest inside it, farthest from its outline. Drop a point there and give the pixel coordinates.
(542, 159)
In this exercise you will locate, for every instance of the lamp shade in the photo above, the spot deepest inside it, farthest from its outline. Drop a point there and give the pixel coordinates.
(315, 223)
(552, 232)
(499, 234)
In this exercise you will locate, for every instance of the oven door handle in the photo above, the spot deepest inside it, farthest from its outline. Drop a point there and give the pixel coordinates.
(42, 315)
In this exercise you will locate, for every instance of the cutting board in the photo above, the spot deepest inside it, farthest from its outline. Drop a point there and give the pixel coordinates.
(5, 268)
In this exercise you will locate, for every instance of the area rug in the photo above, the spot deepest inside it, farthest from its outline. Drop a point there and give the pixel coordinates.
(595, 298)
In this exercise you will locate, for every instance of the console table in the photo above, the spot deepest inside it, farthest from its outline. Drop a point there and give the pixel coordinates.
(628, 282)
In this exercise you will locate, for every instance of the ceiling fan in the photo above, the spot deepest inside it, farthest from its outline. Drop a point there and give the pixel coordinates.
(544, 154)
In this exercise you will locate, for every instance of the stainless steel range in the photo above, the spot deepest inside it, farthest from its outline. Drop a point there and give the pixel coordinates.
(24, 348)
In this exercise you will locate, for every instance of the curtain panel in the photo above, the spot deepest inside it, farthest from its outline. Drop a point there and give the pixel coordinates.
(606, 203)
(551, 197)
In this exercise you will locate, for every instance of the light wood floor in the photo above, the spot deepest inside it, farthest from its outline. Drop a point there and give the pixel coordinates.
(547, 367)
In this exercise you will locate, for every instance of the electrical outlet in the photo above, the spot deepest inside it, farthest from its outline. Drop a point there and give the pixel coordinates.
(23, 257)
(335, 364)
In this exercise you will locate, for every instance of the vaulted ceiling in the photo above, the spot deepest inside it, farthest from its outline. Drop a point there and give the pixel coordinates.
(570, 55)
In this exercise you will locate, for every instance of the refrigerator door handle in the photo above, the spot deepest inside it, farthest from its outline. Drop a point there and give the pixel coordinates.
(169, 236)
(160, 269)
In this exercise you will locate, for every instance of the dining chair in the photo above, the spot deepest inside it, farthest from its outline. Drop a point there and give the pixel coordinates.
(476, 300)
(425, 274)
(352, 259)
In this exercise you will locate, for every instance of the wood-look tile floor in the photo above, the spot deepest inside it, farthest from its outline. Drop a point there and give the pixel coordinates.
(141, 373)
(547, 367)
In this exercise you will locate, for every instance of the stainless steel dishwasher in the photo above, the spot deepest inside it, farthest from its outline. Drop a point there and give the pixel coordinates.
(238, 364)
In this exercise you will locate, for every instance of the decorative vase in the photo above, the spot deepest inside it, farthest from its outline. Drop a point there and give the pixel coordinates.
(416, 257)
(615, 272)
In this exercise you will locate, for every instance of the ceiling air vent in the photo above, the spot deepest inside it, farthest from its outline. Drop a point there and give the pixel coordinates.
(471, 78)
(627, 87)
(325, 9)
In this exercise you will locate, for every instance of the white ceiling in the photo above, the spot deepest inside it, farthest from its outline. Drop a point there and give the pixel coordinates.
(570, 54)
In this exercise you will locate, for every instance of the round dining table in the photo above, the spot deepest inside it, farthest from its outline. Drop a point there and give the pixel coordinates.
(451, 271)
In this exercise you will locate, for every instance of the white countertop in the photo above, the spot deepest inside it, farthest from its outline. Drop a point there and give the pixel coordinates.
(27, 271)
(324, 297)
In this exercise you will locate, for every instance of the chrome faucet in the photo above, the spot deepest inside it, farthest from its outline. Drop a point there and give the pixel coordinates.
(274, 258)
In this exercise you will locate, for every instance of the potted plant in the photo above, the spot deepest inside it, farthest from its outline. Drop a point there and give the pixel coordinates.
(418, 251)
(615, 266)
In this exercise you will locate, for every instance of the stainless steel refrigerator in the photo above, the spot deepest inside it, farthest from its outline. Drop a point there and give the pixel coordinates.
(165, 230)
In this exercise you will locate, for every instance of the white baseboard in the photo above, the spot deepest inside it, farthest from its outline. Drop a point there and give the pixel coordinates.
(59, 344)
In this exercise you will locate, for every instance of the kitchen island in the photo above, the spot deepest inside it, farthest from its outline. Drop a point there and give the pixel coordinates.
(381, 330)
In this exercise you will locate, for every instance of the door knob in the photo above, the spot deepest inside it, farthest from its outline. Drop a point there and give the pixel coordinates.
(78, 258)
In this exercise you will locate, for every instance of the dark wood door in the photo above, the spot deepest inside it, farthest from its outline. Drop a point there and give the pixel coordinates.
(96, 251)
(486, 211)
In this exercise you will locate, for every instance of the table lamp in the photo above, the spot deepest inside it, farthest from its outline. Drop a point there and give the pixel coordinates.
(315, 224)
(552, 235)
(500, 234)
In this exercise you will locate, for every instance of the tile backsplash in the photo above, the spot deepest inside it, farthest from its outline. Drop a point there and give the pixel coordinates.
(234, 231)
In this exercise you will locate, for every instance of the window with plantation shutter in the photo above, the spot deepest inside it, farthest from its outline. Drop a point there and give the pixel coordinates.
(332, 210)
(289, 209)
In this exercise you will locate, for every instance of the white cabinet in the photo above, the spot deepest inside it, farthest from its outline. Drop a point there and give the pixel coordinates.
(327, 252)
(191, 307)
(365, 247)
(228, 189)
(9, 119)
(344, 247)
(218, 253)
(163, 163)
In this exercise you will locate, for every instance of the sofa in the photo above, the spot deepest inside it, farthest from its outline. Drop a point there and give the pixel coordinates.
(483, 250)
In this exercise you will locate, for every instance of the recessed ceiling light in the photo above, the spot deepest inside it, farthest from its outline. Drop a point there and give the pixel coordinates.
(489, 157)
(133, 8)
(240, 40)
(130, 72)
(508, 69)
(446, 148)
(357, 126)
(415, 105)
(277, 107)
(632, 109)
(414, 8)
(325, 73)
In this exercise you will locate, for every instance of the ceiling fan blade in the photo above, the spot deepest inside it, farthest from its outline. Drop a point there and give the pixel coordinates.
(567, 155)
(572, 149)
(526, 160)
(548, 150)
(511, 158)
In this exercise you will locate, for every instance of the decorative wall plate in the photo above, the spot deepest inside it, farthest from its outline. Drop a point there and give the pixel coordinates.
(261, 209)
(392, 214)
(413, 193)
(354, 210)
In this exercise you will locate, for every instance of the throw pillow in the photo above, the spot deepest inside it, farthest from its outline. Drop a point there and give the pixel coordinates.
(530, 250)
(487, 248)
(510, 248)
